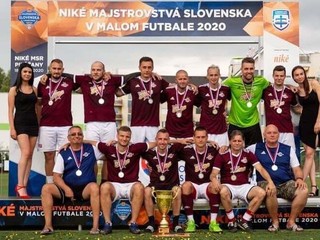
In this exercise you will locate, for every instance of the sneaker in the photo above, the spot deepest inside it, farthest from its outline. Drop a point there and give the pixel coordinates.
(295, 228)
(178, 229)
(149, 229)
(242, 224)
(191, 226)
(232, 226)
(273, 228)
(133, 228)
(214, 227)
(107, 228)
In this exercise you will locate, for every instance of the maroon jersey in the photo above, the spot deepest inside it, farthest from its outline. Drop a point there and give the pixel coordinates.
(194, 161)
(240, 166)
(56, 102)
(179, 121)
(144, 112)
(282, 118)
(127, 163)
(213, 120)
(166, 165)
(96, 109)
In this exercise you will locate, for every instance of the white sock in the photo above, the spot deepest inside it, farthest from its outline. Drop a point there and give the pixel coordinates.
(190, 217)
(49, 179)
(213, 216)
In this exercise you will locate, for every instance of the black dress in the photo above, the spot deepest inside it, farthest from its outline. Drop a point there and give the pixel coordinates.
(25, 118)
(308, 118)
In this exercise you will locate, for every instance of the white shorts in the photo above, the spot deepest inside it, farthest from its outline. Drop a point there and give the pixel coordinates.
(143, 134)
(101, 131)
(201, 190)
(221, 139)
(239, 191)
(287, 138)
(123, 190)
(52, 138)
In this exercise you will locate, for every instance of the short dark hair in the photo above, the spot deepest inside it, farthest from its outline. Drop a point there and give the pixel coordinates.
(56, 60)
(124, 129)
(236, 133)
(162, 130)
(199, 129)
(145, 59)
(279, 68)
(247, 60)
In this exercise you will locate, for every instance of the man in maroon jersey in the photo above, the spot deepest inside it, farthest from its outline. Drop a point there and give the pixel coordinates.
(180, 99)
(234, 166)
(199, 158)
(122, 159)
(163, 162)
(212, 98)
(54, 97)
(98, 98)
(145, 94)
(278, 100)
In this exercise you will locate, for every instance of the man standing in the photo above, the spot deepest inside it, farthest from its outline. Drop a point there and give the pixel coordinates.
(246, 93)
(212, 98)
(180, 99)
(278, 100)
(281, 161)
(199, 159)
(122, 182)
(234, 167)
(98, 98)
(74, 177)
(163, 162)
(54, 97)
(145, 94)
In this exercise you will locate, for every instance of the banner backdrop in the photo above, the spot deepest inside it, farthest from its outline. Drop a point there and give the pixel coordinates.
(33, 21)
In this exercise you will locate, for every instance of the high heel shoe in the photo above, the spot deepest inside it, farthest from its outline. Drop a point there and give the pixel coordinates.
(314, 193)
(18, 193)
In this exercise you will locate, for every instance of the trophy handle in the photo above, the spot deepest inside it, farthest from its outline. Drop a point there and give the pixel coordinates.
(176, 190)
(153, 191)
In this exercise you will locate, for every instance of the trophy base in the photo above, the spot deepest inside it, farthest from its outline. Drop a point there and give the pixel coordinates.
(171, 235)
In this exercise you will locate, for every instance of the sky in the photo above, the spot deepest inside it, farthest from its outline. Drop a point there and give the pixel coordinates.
(168, 58)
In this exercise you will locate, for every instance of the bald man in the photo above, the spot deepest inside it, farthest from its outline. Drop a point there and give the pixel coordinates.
(283, 166)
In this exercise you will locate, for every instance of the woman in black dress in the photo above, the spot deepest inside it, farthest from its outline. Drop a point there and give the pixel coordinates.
(309, 125)
(22, 103)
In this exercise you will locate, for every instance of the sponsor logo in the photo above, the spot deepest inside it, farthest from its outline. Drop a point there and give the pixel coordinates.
(281, 19)
(122, 209)
(29, 18)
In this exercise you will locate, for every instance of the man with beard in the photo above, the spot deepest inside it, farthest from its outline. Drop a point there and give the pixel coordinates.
(246, 93)
(54, 97)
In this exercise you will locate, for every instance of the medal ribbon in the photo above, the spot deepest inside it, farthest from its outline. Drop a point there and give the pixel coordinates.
(200, 163)
(234, 167)
(216, 97)
(276, 95)
(121, 161)
(76, 160)
(274, 157)
(245, 89)
(144, 86)
(183, 98)
(102, 88)
(161, 164)
(51, 93)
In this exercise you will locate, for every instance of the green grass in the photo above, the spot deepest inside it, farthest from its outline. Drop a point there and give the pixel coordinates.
(199, 235)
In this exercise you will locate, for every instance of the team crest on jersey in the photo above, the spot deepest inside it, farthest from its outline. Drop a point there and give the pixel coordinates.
(280, 154)
(281, 19)
(64, 84)
(244, 160)
(69, 158)
(205, 166)
(86, 154)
